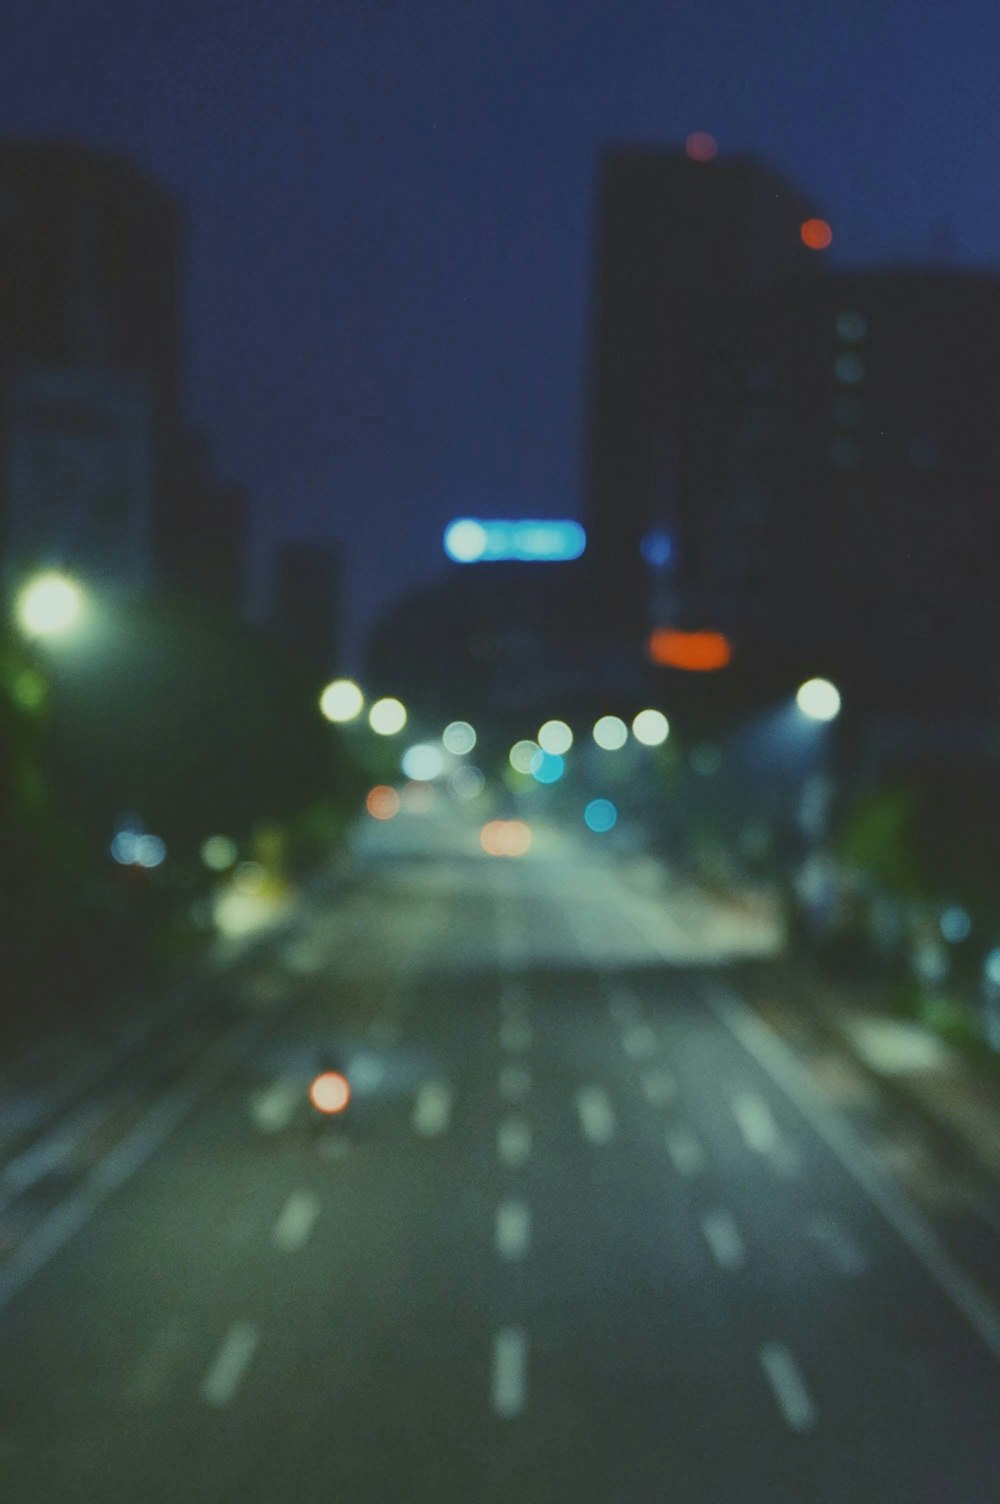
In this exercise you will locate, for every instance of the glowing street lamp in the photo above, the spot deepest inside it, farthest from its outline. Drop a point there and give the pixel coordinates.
(819, 700)
(341, 701)
(48, 606)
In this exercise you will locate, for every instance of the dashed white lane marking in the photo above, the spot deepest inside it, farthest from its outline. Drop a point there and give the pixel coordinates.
(624, 1008)
(639, 1041)
(915, 1231)
(513, 1229)
(510, 1371)
(659, 1087)
(273, 1107)
(514, 1142)
(515, 1035)
(231, 1363)
(597, 1118)
(761, 1135)
(843, 1252)
(789, 1387)
(514, 1082)
(295, 1222)
(723, 1238)
(513, 1001)
(686, 1153)
(432, 1109)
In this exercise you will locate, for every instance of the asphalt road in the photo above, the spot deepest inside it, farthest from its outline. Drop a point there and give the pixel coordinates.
(590, 1235)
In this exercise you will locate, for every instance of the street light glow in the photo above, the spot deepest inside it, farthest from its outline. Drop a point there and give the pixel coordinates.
(387, 716)
(651, 727)
(341, 701)
(459, 738)
(423, 762)
(610, 733)
(48, 606)
(555, 737)
(522, 755)
(818, 699)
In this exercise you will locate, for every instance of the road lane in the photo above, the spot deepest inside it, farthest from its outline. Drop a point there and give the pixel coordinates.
(590, 1280)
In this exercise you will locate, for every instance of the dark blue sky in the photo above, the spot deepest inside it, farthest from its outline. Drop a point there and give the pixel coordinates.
(389, 204)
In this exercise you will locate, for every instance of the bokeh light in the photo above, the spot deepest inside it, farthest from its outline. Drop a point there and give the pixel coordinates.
(418, 798)
(422, 762)
(465, 540)
(555, 736)
(459, 738)
(48, 606)
(249, 877)
(818, 699)
(522, 755)
(696, 652)
(341, 701)
(387, 716)
(467, 782)
(816, 234)
(700, 146)
(611, 733)
(651, 727)
(547, 767)
(330, 1092)
(600, 816)
(219, 853)
(510, 838)
(956, 924)
(382, 802)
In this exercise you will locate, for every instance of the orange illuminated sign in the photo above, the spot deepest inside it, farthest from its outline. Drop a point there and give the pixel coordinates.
(700, 652)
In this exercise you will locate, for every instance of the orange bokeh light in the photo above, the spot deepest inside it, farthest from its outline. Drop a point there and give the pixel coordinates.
(700, 146)
(816, 234)
(330, 1092)
(382, 802)
(700, 652)
(505, 838)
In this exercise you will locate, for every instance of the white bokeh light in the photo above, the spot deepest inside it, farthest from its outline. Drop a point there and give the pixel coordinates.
(651, 727)
(387, 716)
(818, 699)
(610, 733)
(459, 738)
(341, 701)
(556, 737)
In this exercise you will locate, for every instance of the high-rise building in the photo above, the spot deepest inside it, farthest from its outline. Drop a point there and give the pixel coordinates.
(89, 360)
(685, 248)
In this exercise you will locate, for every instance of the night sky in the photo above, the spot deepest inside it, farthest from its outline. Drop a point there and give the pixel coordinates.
(389, 209)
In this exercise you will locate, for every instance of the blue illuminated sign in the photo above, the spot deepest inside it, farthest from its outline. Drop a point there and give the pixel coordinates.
(469, 541)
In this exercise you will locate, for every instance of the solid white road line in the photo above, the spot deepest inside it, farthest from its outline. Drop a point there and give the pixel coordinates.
(639, 1041)
(597, 1118)
(788, 1386)
(685, 1151)
(231, 1362)
(432, 1109)
(659, 1087)
(295, 1222)
(514, 1142)
(273, 1107)
(723, 1238)
(515, 1035)
(514, 1082)
(843, 1252)
(54, 1230)
(513, 1229)
(915, 1231)
(510, 1371)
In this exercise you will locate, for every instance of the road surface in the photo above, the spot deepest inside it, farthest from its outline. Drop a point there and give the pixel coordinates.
(590, 1235)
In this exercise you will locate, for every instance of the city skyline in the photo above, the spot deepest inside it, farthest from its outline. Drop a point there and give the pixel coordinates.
(389, 219)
